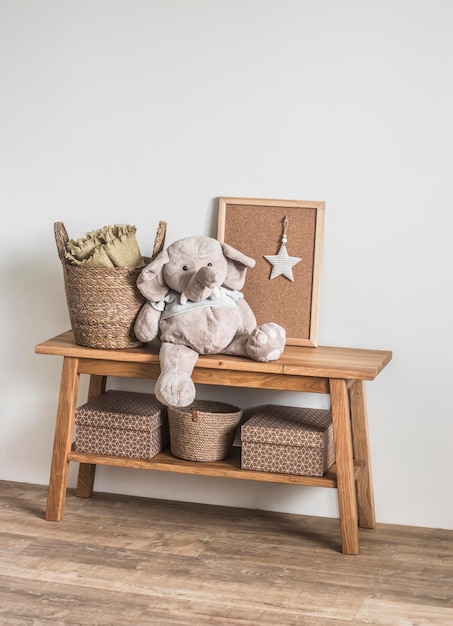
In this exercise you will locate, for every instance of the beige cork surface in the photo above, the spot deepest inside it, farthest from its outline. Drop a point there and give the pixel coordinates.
(257, 231)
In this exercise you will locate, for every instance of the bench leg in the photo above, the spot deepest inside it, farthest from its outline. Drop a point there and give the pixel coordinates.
(85, 480)
(365, 494)
(87, 471)
(347, 498)
(64, 428)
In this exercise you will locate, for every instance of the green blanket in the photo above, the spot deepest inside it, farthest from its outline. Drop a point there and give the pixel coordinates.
(110, 246)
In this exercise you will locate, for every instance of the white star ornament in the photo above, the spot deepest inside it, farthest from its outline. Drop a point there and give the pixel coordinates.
(282, 263)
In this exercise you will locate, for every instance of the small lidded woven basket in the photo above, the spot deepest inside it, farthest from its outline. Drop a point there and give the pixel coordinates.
(103, 302)
(203, 431)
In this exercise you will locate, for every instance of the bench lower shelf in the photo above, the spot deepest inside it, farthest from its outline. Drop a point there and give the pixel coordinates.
(227, 468)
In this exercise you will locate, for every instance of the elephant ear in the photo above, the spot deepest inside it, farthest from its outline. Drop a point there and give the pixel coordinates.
(237, 266)
(150, 281)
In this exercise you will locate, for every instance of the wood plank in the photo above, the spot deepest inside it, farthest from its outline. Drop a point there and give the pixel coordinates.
(123, 369)
(227, 468)
(259, 380)
(63, 439)
(222, 377)
(323, 361)
(345, 469)
(385, 613)
(362, 455)
(87, 471)
(122, 560)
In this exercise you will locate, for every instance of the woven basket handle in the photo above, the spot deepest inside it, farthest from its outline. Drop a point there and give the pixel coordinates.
(159, 239)
(61, 239)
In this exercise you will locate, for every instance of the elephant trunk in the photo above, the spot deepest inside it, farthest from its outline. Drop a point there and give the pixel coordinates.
(201, 285)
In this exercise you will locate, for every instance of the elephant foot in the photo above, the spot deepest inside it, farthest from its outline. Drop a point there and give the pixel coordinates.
(266, 342)
(175, 389)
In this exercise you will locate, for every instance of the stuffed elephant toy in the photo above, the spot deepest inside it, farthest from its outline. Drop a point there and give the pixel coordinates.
(194, 307)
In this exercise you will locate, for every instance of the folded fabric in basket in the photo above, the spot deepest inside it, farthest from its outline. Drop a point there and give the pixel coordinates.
(110, 246)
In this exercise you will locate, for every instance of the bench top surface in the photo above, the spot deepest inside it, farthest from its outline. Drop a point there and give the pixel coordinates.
(322, 361)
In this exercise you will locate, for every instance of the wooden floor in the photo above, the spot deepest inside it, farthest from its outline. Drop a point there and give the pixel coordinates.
(124, 561)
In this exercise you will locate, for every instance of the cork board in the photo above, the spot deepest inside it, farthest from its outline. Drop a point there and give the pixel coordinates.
(255, 227)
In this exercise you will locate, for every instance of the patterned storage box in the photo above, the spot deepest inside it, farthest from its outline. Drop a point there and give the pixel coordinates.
(288, 440)
(122, 423)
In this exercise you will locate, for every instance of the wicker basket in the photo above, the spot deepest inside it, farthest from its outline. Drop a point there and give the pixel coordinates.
(103, 302)
(203, 431)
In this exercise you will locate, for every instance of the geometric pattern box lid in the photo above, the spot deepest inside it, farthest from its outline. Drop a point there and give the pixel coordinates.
(122, 423)
(124, 410)
(288, 440)
(286, 425)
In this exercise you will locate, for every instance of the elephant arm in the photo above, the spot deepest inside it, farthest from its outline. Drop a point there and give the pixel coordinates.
(146, 325)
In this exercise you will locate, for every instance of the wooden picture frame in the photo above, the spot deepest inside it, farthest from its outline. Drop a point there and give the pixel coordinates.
(255, 227)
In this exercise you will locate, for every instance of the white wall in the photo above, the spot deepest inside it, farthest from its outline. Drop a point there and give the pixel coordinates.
(135, 111)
